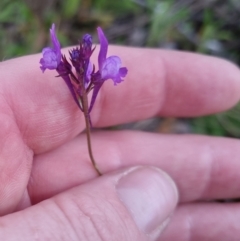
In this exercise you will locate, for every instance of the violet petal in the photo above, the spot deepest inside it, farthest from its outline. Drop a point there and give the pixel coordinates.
(55, 42)
(51, 56)
(103, 47)
(123, 72)
(88, 74)
(49, 59)
(110, 67)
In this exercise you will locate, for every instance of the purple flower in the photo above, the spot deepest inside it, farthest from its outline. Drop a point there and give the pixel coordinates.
(85, 78)
(110, 68)
(51, 56)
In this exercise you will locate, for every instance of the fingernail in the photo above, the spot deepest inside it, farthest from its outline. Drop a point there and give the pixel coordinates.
(150, 196)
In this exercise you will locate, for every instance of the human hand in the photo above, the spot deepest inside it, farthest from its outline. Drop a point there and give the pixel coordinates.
(42, 158)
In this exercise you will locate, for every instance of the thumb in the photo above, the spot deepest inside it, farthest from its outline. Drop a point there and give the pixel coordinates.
(133, 204)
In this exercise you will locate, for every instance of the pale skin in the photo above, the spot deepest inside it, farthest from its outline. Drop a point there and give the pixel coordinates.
(43, 157)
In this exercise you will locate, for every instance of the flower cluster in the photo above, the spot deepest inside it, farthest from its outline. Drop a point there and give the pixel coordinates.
(85, 78)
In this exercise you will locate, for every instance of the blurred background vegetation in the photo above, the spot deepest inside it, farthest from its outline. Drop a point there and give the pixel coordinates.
(206, 26)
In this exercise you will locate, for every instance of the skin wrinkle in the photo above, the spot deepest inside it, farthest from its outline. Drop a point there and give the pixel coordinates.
(38, 115)
(165, 69)
(91, 215)
(177, 97)
(23, 163)
(34, 230)
(221, 168)
(208, 159)
(204, 221)
(94, 224)
(13, 168)
(55, 130)
(101, 215)
(203, 171)
(212, 162)
(25, 202)
(183, 227)
(31, 182)
(162, 85)
(121, 217)
(155, 105)
(226, 227)
(82, 215)
(14, 112)
(50, 209)
(68, 219)
(216, 168)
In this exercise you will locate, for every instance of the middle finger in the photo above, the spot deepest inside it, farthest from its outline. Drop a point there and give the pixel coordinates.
(202, 167)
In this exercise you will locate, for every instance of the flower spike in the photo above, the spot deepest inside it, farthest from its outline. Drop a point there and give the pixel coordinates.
(85, 78)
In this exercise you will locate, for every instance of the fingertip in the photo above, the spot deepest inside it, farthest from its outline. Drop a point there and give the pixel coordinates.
(198, 84)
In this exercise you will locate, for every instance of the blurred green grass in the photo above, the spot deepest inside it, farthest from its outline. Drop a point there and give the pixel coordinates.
(209, 27)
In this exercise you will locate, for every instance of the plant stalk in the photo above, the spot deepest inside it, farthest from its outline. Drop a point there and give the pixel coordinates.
(88, 131)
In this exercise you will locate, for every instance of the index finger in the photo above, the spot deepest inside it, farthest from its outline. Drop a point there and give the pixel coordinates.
(168, 83)
(159, 82)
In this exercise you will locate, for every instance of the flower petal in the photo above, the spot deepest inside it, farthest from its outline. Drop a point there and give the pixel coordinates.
(103, 47)
(49, 59)
(55, 42)
(117, 79)
(88, 74)
(123, 72)
(51, 56)
(110, 67)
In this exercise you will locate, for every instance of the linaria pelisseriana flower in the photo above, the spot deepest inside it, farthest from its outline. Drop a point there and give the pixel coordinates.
(86, 77)
(51, 56)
